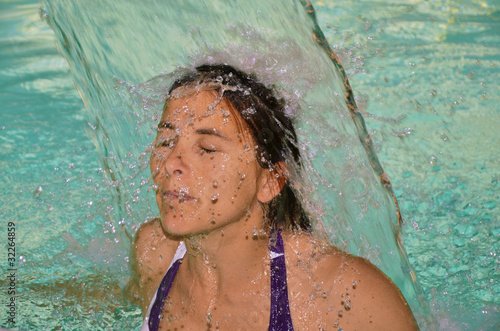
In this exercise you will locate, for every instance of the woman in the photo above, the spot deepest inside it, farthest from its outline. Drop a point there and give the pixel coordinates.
(232, 248)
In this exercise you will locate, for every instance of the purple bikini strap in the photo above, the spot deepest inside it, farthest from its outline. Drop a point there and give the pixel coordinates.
(280, 319)
(161, 296)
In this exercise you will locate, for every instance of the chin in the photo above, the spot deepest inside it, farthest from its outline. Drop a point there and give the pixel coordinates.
(181, 227)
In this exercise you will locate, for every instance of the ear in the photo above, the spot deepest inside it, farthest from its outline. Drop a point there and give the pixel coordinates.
(271, 182)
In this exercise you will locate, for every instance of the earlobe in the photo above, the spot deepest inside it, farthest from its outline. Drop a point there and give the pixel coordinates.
(271, 182)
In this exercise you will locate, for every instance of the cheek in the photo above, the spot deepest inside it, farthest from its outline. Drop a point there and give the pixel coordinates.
(241, 177)
(214, 179)
(155, 167)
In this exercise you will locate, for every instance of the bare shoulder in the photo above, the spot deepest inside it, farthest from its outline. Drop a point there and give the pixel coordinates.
(350, 292)
(371, 298)
(152, 252)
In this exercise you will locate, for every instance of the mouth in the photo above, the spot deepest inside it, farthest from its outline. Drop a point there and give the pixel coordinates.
(180, 195)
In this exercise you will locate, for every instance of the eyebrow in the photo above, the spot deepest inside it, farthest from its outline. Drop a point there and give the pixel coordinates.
(200, 131)
(165, 125)
(212, 132)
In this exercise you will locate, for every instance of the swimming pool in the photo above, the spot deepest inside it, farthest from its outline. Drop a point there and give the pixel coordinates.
(427, 76)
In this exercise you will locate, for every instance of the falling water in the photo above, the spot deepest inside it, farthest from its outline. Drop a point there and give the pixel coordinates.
(124, 56)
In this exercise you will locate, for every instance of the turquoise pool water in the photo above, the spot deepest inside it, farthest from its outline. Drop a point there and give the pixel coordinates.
(426, 74)
(431, 69)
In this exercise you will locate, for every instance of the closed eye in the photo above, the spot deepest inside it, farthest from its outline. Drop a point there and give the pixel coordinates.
(208, 150)
(169, 143)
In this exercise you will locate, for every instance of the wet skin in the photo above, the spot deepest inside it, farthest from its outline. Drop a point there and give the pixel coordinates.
(204, 166)
(223, 282)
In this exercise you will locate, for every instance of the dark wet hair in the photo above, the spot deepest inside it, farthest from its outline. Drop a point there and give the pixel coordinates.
(271, 128)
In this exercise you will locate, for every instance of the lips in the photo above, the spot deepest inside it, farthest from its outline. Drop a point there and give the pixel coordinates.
(180, 195)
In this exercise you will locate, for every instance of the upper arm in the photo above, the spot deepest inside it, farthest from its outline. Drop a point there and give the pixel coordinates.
(371, 299)
(151, 254)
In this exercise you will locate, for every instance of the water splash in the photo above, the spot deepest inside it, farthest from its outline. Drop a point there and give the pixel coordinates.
(123, 85)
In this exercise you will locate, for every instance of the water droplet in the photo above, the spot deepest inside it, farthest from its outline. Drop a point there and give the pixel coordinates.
(93, 127)
(71, 166)
(214, 197)
(250, 111)
(262, 233)
(38, 191)
(226, 113)
(341, 313)
(354, 285)
(215, 184)
(181, 197)
(347, 304)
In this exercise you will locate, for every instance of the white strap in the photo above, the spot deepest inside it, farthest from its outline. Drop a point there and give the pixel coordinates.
(275, 255)
(179, 254)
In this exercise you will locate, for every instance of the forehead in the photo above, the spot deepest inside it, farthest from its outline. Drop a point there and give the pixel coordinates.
(203, 107)
(194, 103)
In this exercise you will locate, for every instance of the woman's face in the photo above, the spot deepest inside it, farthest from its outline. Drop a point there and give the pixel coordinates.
(204, 165)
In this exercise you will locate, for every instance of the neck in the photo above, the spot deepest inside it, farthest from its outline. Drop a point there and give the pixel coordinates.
(225, 259)
(233, 247)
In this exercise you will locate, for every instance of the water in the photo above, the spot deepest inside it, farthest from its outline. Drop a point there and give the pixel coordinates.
(49, 170)
(437, 65)
(425, 72)
(124, 86)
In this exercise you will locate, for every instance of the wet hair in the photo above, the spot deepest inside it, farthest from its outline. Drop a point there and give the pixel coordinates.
(271, 129)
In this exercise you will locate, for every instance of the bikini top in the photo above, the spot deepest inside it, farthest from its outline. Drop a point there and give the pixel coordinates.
(280, 319)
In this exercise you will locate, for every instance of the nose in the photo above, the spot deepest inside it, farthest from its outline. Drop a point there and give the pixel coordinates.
(173, 165)
(174, 160)
(170, 159)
